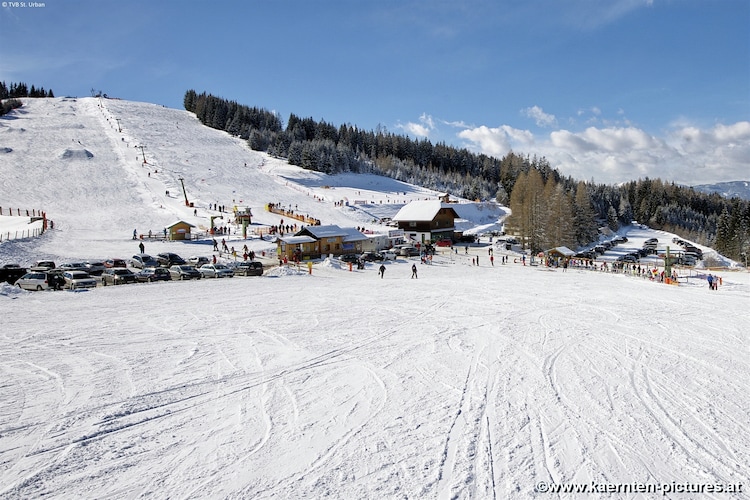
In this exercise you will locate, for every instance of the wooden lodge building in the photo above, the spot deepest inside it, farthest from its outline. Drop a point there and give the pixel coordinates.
(314, 242)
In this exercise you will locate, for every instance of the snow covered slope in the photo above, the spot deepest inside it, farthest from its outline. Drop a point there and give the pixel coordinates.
(472, 381)
(81, 161)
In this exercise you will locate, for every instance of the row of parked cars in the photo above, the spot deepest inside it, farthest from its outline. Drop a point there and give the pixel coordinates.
(601, 248)
(45, 275)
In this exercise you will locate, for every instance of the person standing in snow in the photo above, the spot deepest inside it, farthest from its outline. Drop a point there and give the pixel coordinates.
(413, 271)
(710, 280)
(381, 271)
(141, 247)
(135, 234)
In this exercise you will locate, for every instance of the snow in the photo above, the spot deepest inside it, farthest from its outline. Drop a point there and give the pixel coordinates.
(472, 381)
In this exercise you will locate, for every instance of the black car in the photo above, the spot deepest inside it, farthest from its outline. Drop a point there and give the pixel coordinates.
(170, 259)
(248, 269)
(371, 257)
(117, 276)
(150, 274)
(349, 257)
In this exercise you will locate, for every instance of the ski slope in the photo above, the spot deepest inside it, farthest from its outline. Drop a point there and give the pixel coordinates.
(472, 381)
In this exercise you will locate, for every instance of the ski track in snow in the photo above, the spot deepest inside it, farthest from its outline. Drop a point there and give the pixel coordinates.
(470, 382)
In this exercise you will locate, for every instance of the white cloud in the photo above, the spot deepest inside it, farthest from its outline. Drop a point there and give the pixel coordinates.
(686, 154)
(497, 141)
(422, 129)
(542, 119)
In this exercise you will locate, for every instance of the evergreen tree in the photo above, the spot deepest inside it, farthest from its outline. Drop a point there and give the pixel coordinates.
(584, 221)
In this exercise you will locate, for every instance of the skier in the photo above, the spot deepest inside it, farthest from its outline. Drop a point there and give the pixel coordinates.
(381, 271)
(413, 271)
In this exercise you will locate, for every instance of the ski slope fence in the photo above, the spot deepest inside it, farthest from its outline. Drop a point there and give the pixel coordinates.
(19, 235)
(34, 215)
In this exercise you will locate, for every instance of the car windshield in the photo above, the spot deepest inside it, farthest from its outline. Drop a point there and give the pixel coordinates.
(122, 271)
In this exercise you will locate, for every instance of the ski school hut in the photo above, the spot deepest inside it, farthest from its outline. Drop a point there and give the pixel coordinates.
(179, 230)
(427, 220)
(312, 242)
(559, 254)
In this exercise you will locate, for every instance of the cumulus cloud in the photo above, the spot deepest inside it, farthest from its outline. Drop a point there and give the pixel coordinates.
(422, 129)
(541, 118)
(686, 154)
(497, 141)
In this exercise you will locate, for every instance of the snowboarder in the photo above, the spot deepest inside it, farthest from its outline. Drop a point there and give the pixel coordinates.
(413, 271)
(381, 271)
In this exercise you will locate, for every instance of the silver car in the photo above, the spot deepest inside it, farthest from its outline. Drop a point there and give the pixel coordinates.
(78, 279)
(215, 271)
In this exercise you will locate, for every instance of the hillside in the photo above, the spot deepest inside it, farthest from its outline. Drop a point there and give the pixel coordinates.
(81, 161)
(474, 380)
(739, 189)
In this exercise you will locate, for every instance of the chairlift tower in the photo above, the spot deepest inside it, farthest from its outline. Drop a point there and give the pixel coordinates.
(182, 181)
(143, 153)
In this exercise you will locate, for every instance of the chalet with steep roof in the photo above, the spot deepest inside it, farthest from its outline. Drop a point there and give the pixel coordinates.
(427, 220)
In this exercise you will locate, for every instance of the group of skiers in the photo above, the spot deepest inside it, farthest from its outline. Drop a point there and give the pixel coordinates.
(713, 282)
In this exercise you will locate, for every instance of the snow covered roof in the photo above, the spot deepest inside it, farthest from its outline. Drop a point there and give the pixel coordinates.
(353, 235)
(329, 231)
(332, 231)
(422, 210)
(565, 251)
(180, 222)
(295, 240)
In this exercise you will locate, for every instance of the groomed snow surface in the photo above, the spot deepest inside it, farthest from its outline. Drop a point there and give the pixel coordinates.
(472, 381)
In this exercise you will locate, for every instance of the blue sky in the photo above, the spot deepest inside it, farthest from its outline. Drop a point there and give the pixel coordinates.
(610, 90)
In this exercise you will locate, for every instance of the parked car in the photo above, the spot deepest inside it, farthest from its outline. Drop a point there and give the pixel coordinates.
(10, 273)
(118, 263)
(117, 276)
(184, 272)
(95, 268)
(149, 274)
(43, 265)
(349, 257)
(169, 259)
(73, 266)
(78, 279)
(198, 261)
(408, 251)
(215, 271)
(251, 268)
(371, 257)
(34, 280)
(388, 254)
(143, 260)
